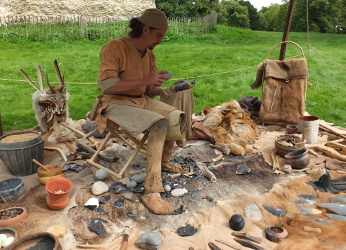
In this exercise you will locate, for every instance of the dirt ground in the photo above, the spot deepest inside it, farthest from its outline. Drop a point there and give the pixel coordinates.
(207, 205)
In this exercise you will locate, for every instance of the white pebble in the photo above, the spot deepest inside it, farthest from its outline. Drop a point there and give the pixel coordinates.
(99, 187)
(168, 188)
(8, 241)
(178, 192)
(3, 237)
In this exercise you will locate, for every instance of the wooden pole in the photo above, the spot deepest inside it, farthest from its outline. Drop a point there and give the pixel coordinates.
(287, 29)
(1, 132)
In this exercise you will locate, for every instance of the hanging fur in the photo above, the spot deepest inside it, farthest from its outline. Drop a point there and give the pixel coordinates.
(284, 91)
(50, 106)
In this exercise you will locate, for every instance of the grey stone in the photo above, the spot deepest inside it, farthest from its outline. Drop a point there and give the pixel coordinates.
(101, 174)
(275, 211)
(338, 199)
(242, 169)
(131, 184)
(322, 222)
(335, 207)
(96, 224)
(139, 178)
(307, 196)
(304, 202)
(336, 217)
(119, 203)
(149, 240)
(253, 212)
(125, 180)
(188, 230)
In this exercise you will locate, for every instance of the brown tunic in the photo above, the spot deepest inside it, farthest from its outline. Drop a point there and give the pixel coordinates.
(120, 59)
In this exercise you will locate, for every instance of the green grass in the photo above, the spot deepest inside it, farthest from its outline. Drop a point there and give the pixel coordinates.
(224, 65)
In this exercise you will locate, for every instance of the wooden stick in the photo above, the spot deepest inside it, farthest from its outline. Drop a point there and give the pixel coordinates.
(42, 166)
(81, 134)
(101, 167)
(93, 151)
(228, 244)
(330, 130)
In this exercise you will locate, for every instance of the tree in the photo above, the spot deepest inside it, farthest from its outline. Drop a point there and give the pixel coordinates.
(233, 14)
(325, 16)
(255, 21)
(186, 8)
(271, 15)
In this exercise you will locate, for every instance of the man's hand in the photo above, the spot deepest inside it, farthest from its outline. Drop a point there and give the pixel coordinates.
(157, 78)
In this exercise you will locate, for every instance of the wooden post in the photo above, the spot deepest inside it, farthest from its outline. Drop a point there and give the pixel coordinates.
(287, 29)
(1, 132)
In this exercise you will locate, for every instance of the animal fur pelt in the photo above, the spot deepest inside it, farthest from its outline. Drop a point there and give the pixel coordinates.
(230, 124)
(284, 91)
(50, 107)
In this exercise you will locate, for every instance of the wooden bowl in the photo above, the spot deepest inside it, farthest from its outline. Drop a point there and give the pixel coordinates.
(285, 144)
(43, 180)
(53, 170)
(46, 241)
(12, 215)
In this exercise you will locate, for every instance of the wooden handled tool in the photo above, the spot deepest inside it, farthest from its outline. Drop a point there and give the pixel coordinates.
(42, 166)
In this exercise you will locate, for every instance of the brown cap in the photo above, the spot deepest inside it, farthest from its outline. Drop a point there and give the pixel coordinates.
(154, 18)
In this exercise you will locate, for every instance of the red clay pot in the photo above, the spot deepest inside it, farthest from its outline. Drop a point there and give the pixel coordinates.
(7, 222)
(58, 192)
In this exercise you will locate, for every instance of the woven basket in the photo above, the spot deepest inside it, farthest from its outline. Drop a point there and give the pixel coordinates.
(285, 144)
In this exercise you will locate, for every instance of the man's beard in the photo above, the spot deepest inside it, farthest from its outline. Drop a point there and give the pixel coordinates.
(151, 47)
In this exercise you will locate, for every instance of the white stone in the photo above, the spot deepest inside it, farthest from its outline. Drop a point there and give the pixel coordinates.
(92, 202)
(168, 188)
(178, 192)
(99, 187)
(8, 241)
(253, 212)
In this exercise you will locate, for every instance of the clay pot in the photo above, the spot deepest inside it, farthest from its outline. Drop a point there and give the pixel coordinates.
(58, 192)
(47, 241)
(11, 189)
(12, 215)
(9, 232)
(298, 159)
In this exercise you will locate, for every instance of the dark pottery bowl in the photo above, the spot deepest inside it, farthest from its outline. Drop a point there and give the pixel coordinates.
(12, 215)
(46, 241)
(298, 159)
(11, 189)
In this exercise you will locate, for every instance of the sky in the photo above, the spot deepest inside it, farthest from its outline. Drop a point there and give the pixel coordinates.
(258, 4)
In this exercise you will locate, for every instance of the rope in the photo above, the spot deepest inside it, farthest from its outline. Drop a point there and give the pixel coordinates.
(214, 74)
(226, 72)
(312, 48)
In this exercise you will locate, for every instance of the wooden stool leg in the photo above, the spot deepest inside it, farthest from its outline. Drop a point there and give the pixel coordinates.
(135, 152)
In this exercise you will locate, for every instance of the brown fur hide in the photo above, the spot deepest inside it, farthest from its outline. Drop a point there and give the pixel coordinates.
(284, 91)
(229, 123)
